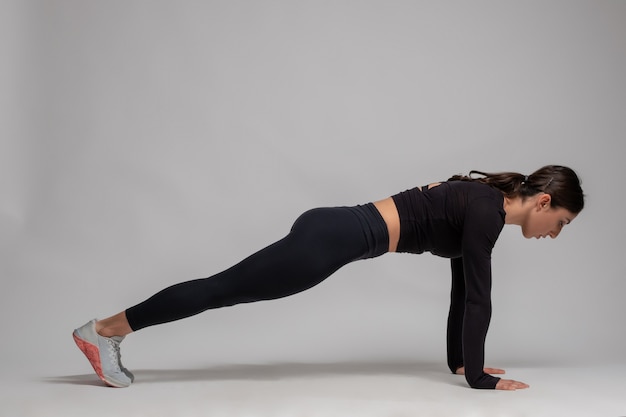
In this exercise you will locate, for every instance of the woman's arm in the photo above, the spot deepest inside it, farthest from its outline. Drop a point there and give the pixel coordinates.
(455, 324)
(470, 297)
(455, 316)
(482, 225)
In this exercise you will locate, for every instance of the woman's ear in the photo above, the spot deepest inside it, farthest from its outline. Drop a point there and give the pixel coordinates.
(543, 202)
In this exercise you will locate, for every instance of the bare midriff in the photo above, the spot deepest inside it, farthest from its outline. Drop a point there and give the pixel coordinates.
(388, 210)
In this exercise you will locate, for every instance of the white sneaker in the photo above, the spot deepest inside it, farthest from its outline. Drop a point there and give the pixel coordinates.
(103, 353)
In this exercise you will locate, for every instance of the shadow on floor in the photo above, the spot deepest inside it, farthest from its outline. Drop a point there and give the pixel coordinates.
(89, 379)
(434, 372)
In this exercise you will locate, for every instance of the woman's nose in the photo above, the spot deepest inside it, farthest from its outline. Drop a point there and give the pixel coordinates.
(554, 234)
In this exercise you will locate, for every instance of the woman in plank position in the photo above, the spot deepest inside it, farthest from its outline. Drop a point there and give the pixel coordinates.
(459, 219)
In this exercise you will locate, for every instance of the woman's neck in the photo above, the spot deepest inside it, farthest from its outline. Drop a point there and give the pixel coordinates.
(516, 210)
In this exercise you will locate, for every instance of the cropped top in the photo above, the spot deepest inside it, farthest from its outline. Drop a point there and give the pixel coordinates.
(460, 220)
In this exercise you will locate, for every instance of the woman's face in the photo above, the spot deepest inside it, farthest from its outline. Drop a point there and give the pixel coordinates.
(544, 221)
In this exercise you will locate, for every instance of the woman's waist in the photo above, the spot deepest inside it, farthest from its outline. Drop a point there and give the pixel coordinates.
(389, 212)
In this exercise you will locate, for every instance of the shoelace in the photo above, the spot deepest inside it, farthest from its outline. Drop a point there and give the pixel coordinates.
(114, 353)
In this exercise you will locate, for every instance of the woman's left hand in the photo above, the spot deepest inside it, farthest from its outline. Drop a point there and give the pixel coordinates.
(497, 371)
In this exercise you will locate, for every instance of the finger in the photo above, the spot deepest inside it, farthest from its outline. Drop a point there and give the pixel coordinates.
(495, 371)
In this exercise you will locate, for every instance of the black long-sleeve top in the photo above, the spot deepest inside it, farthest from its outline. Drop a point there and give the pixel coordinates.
(460, 220)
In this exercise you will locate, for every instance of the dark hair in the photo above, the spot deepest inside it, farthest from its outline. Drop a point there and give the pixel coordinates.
(560, 182)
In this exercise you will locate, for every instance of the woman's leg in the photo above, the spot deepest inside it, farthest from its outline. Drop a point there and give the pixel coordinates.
(320, 242)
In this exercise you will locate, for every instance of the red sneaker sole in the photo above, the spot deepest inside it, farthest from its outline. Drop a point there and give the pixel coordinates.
(92, 353)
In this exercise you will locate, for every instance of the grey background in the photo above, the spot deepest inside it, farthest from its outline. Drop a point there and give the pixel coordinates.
(147, 143)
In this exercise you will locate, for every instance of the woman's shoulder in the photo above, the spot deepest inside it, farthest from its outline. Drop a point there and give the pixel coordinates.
(473, 188)
(477, 196)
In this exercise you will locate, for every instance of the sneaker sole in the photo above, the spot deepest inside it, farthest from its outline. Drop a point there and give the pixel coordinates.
(92, 353)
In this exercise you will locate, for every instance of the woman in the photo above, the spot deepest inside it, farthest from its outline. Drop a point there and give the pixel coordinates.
(459, 219)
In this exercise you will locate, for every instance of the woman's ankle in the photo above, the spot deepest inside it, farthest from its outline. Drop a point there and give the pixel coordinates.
(113, 326)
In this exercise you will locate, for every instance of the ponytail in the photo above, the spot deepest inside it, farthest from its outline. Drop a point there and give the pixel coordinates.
(560, 182)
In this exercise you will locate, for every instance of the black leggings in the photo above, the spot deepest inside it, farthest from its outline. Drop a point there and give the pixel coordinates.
(320, 242)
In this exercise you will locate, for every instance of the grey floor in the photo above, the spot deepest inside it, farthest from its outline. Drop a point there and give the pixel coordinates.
(316, 389)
